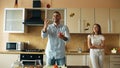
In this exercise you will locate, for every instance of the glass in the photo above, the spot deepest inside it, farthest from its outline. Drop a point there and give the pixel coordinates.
(17, 64)
(79, 50)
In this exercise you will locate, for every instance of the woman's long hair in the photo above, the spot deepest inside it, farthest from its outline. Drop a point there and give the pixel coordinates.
(99, 29)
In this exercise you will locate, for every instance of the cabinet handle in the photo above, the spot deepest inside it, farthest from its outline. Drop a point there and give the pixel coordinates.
(116, 57)
(116, 64)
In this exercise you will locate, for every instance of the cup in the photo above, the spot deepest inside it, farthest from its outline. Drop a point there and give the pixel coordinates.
(79, 50)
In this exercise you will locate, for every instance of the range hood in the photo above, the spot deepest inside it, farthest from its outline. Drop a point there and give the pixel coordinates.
(35, 15)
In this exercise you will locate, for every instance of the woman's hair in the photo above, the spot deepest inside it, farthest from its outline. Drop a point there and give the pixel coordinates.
(99, 29)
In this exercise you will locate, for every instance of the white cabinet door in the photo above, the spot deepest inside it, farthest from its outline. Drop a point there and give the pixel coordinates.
(73, 20)
(87, 20)
(114, 61)
(76, 60)
(89, 61)
(107, 61)
(13, 20)
(7, 60)
(102, 18)
(115, 20)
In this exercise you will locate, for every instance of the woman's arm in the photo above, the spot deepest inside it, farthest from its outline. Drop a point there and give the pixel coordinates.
(90, 46)
(101, 46)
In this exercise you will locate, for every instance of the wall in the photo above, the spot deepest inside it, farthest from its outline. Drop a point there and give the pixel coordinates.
(33, 35)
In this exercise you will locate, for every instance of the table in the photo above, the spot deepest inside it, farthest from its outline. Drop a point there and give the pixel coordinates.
(69, 67)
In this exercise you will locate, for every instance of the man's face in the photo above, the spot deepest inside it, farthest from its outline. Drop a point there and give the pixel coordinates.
(56, 17)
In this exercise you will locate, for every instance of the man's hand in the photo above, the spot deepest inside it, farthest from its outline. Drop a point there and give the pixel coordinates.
(60, 35)
(46, 22)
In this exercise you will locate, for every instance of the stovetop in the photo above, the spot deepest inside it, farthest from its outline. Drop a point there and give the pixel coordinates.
(33, 50)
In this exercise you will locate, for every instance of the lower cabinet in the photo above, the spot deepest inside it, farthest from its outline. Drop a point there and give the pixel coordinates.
(7, 60)
(107, 61)
(88, 61)
(76, 60)
(114, 61)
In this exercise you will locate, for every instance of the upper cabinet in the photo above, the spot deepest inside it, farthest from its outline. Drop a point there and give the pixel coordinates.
(13, 20)
(81, 20)
(16, 20)
(87, 20)
(73, 20)
(115, 20)
(102, 18)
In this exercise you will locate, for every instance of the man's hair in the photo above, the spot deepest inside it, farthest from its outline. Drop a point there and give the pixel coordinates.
(57, 12)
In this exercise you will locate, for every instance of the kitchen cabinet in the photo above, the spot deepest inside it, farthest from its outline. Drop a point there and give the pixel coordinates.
(8, 59)
(17, 19)
(115, 20)
(88, 61)
(80, 20)
(114, 61)
(102, 18)
(13, 20)
(73, 20)
(36, 16)
(108, 18)
(87, 20)
(106, 61)
(76, 60)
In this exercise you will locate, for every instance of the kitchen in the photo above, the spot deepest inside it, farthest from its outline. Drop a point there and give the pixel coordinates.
(77, 39)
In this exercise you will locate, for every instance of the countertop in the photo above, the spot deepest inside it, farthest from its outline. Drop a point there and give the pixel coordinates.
(67, 53)
(20, 52)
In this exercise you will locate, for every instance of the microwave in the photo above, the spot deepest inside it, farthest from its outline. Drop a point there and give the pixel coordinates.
(15, 46)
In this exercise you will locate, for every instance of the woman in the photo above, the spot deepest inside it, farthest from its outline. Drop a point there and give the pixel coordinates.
(96, 45)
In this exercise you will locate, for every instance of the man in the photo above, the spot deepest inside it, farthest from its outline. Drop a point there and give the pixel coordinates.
(57, 34)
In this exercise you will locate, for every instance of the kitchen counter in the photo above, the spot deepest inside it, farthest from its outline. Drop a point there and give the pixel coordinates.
(20, 52)
(67, 53)
(77, 53)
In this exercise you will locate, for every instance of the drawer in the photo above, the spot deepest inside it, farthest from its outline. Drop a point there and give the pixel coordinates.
(114, 64)
(114, 57)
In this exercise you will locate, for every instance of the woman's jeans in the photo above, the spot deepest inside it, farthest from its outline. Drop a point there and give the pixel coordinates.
(97, 58)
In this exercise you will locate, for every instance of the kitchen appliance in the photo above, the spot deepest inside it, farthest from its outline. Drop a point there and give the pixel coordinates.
(33, 50)
(34, 16)
(19, 46)
(30, 59)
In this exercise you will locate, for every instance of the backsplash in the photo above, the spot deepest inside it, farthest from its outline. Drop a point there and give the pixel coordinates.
(77, 40)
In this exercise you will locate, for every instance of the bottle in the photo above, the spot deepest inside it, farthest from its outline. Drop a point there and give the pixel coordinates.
(38, 64)
(17, 64)
(16, 4)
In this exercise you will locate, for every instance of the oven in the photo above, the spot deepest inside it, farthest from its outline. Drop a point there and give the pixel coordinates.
(30, 59)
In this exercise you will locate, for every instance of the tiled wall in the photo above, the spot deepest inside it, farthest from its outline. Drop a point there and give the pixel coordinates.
(77, 40)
